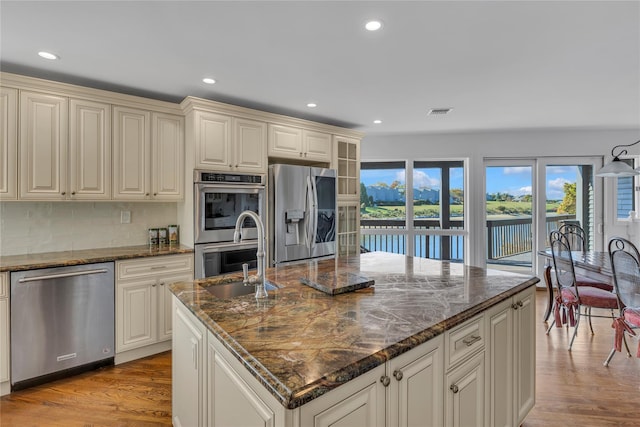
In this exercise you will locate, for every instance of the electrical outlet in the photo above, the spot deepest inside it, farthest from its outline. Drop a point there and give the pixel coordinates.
(125, 217)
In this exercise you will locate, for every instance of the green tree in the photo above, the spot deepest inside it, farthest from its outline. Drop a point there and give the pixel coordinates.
(364, 197)
(568, 204)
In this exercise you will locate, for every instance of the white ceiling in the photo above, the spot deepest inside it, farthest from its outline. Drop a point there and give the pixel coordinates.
(498, 64)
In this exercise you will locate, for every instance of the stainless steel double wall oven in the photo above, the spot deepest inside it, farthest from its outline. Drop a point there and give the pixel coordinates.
(219, 199)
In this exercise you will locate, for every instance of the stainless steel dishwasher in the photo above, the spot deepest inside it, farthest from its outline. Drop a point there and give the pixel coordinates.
(62, 322)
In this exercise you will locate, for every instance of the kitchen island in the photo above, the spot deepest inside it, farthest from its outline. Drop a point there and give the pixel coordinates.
(462, 337)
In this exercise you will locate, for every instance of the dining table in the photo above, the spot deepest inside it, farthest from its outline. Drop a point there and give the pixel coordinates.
(593, 264)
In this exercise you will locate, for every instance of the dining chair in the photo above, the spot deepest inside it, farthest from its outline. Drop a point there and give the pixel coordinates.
(572, 301)
(625, 265)
(577, 239)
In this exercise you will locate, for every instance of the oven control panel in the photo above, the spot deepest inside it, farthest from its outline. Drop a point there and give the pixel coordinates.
(236, 178)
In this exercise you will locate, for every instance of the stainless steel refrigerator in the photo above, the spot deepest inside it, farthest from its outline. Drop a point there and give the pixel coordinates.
(302, 212)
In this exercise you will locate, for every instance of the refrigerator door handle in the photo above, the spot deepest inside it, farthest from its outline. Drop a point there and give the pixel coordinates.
(314, 212)
(309, 212)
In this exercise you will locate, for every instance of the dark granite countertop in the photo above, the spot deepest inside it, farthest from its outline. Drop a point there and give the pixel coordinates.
(85, 256)
(301, 342)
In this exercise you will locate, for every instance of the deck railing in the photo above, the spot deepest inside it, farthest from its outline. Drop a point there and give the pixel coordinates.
(505, 237)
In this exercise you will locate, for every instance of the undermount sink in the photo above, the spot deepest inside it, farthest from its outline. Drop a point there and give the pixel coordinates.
(236, 289)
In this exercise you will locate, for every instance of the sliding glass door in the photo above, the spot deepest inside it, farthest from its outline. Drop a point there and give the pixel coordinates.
(510, 210)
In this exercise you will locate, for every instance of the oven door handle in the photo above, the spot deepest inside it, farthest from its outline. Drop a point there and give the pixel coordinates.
(223, 247)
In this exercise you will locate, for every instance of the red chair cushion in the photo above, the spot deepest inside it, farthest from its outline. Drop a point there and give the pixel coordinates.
(632, 316)
(587, 281)
(597, 298)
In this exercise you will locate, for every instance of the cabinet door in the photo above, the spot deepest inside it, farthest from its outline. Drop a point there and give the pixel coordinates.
(90, 150)
(348, 228)
(464, 394)
(43, 146)
(500, 364)
(524, 353)
(8, 143)
(165, 303)
(415, 391)
(250, 138)
(167, 148)
(212, 141)
(231, 401)
(4, 327)
(188, 369)
(131, 153)
(347, 162)
(316, 146)
(136, 307)
(285, 141)
(360, 402)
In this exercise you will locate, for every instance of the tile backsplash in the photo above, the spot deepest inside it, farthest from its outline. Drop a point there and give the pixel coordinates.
(35, 227)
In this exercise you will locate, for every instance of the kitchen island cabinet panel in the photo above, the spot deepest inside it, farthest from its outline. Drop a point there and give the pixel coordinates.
(465, 394)
(5, 351)
(188, 370)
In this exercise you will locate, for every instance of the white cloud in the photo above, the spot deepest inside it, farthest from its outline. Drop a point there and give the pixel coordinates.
(524, 190)
(422, 180)
(555, 188)
(513, 170)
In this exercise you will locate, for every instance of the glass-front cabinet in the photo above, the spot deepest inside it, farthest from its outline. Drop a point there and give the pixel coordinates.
(346, 161)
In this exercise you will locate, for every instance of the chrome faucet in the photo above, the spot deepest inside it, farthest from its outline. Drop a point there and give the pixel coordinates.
(259, 279)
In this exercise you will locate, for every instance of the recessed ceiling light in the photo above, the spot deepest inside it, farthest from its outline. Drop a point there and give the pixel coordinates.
(208, 80)
(377, 122)
(312, 105)
(373, 25)
(48, 55)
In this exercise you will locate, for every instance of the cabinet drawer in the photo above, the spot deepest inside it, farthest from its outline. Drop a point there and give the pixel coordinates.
(464, 340)
(4, 285)
(145, 267)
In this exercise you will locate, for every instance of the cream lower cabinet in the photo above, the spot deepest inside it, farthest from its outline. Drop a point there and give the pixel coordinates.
(143, 303)
(511, 359)
(189, 378)
(5, 385)
(459, 378)
(464, 385)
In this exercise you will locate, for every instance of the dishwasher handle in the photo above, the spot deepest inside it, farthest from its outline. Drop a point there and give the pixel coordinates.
(61, 275)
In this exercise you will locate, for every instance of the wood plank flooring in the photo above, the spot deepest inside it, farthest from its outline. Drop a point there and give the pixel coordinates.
(573, 388)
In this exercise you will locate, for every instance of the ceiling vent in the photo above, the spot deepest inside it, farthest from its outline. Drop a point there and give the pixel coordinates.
(439, 111)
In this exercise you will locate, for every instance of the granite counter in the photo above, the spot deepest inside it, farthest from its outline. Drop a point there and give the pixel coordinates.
(301, 343)
(86, 256)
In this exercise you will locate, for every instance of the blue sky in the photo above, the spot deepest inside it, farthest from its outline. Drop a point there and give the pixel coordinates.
(513, 180)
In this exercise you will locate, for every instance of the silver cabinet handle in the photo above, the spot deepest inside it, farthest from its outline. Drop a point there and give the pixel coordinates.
(158, 267)
(472, 339)
(385, 380)
(454, 388)
(61, 275)
(398, 374)
(514, 306)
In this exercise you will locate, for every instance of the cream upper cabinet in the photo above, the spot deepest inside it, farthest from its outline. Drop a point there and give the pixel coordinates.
(167, 151)
(89, 150)
(347, 162)
(131, 153)
(8, 143)
(228, 143)
(249, 147)
(300, 144)
(43, 146)
(212, 134)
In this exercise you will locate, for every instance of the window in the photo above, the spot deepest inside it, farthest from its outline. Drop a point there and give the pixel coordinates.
(625, 200)
(416, 209)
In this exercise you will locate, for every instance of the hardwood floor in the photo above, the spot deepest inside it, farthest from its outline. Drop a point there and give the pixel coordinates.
(573, 388)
